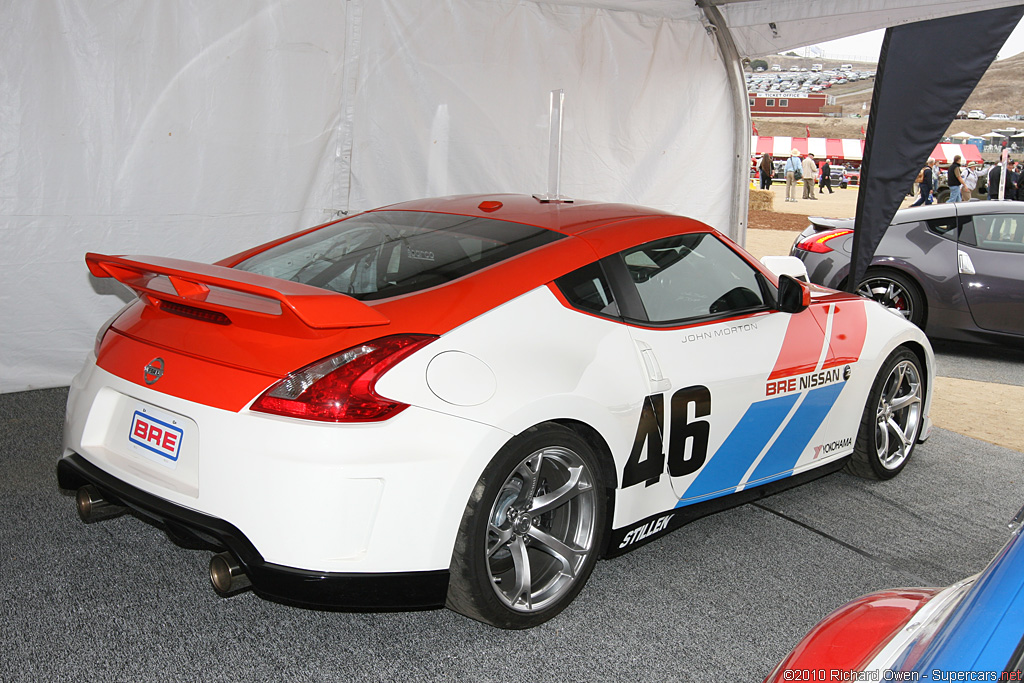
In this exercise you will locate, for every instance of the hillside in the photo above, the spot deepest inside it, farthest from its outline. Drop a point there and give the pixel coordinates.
(999, 91)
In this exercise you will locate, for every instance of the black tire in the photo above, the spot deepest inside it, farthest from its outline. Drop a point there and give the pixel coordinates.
(895, 291)
(892, 418)
(551, 472)
(942, 196)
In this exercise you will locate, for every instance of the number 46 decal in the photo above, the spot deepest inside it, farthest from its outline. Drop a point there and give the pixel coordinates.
(651, 427)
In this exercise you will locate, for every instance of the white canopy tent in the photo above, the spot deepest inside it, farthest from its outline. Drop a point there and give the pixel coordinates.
(194, 129)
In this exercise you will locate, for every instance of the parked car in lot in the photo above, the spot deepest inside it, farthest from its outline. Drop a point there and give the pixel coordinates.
(956, 270)
(976, 114)
(467, 401)
(970, 631)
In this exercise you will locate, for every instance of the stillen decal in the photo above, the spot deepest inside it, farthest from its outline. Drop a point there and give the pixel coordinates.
(645, 530)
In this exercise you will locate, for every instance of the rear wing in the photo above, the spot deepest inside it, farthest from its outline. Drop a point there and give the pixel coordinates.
(820, 223)
(227, 293)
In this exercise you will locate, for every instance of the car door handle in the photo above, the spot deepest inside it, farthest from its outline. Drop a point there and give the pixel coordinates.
(658, 380)
(964, 263)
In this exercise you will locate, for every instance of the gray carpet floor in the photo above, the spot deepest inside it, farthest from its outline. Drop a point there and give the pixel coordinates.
(721, 599)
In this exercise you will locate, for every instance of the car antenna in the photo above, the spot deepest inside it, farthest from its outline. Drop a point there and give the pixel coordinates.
(553, 195)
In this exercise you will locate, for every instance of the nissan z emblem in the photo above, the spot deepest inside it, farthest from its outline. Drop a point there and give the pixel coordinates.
(153, 371)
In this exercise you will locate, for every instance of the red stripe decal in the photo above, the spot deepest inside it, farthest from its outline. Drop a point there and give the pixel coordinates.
(801, 347)
(849, 329)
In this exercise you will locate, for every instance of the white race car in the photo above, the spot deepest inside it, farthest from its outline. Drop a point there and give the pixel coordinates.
(467, 401)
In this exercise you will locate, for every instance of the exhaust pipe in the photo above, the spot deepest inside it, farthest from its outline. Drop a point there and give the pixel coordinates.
(92, 506)
(227, 576)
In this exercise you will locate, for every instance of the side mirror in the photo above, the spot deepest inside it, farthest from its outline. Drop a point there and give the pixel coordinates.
(794, 296)
(786, 265)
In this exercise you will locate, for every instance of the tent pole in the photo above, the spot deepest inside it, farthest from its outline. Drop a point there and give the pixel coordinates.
(738, 214)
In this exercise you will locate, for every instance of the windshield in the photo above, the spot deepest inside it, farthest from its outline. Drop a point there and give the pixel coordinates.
(387, 253)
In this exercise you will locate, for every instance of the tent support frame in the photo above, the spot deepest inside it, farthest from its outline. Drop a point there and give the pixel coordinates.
(738, 213)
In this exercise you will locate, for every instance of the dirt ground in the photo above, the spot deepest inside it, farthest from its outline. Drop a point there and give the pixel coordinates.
(793, 215)
(1002, 423)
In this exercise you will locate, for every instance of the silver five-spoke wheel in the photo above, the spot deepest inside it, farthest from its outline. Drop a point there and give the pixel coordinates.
(898, 415)
(892, 419)
(532, 530)
(541, 529)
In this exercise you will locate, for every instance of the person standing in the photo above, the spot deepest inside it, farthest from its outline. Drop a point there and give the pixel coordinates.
(826, 177)
(970, 178)
(955, 180)
(809, 170)
(925, 184)
(792, 169)
(995, 179)
(767, 170)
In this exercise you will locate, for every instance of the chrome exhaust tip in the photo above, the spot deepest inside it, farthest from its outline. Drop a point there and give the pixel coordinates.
(92, 506)
(227, 576)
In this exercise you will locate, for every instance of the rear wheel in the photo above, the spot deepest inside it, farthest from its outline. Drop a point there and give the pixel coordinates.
(531, 531)
(896, 292)
(892, 418)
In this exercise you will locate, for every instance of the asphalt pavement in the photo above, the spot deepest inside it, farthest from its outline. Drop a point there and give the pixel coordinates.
(723, 598)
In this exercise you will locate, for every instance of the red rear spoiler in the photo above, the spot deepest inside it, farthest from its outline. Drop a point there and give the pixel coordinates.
(227, 291)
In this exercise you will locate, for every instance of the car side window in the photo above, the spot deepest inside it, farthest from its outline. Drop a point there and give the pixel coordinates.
(587, 289)
(997, 232)
(692, 276)
(944, 227)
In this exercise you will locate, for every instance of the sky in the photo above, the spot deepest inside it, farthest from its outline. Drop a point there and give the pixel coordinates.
(868, 45)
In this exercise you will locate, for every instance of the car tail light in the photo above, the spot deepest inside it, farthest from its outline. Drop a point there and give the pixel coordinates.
(341, 388)
(818, 243)
(847, 639)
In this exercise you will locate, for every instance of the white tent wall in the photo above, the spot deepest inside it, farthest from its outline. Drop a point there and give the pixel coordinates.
(184, 129)
(443, 116)
(194, 130)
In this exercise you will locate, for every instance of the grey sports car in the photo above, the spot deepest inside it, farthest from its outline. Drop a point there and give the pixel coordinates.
(955, 270)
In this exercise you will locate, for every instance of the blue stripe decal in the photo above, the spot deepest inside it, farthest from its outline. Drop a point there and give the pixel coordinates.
(791, 443)
(726, 467)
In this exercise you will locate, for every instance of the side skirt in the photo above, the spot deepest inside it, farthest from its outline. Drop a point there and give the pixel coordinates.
(622, 541)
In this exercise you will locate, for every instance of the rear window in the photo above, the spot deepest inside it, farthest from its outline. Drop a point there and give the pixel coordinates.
(387, 253)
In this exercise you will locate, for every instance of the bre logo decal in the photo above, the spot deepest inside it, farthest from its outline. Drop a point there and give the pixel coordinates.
(787, 385)
(156, 436)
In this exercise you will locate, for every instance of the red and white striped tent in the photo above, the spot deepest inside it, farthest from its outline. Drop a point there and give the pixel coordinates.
(845, 149)
(945, 152)
(833, 148)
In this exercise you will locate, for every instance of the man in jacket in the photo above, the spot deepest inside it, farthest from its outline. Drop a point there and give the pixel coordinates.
(809, 170)
(792, 168)
(926, 184)
(826, 178)
(767, 170)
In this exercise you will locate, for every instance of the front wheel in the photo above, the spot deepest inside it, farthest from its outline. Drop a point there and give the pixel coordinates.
(892, 418)
(531, 531)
